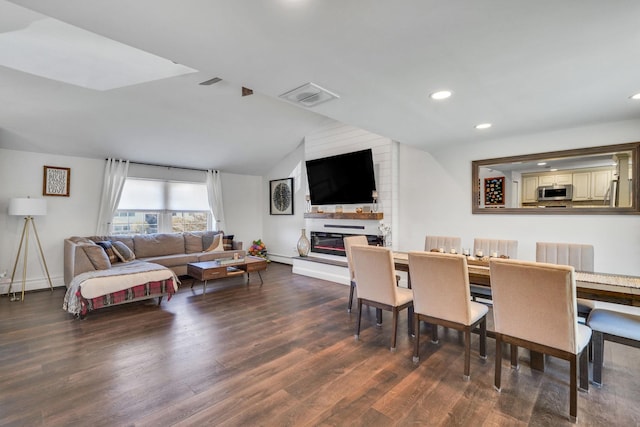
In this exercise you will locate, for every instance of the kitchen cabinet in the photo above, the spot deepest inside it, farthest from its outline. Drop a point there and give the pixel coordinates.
(529, 189)
(593, 185)
(600, 184)
(560, 179)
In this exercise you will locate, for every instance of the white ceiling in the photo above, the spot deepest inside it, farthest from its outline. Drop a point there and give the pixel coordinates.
(523, 66)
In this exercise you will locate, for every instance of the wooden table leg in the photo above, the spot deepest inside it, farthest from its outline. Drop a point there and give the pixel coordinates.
(536, 360)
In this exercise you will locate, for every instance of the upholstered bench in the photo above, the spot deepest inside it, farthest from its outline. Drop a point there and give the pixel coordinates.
(622, 327)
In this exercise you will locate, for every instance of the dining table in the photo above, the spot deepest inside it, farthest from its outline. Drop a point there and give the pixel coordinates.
(608, 287)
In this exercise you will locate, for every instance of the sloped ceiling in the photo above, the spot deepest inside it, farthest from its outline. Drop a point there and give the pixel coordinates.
(524, 67)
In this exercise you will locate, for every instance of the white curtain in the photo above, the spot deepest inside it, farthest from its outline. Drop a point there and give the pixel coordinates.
(214, 191)
(115, 175)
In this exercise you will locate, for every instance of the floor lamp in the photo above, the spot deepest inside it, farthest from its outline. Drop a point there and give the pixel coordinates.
(28, 208)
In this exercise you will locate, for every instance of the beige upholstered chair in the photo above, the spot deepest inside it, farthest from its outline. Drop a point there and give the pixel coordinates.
(534, 306)
(374, 270)
(503, 248)
(578, 256)
(443, 242)
(440, 284)
(349, 242)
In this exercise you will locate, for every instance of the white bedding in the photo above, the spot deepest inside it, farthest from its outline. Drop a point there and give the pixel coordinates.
(93, 284)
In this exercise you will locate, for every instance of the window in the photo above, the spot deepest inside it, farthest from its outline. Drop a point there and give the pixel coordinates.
(188, 221)
(156, 206)
(132, 222)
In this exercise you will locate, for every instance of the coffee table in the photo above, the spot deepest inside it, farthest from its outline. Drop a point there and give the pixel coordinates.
(220, 269)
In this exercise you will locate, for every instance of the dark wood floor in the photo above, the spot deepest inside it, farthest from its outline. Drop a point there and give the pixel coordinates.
(280, 354)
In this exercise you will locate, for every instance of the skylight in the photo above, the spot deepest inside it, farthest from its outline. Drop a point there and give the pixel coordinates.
(54, 50)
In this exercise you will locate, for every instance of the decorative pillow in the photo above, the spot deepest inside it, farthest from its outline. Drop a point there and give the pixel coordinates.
(207, 239)
(192, 242)
(81, 240)
(217, 244)
(127, 240)
(123, 252)
(227, 241)
(97, 256)
(108, 248)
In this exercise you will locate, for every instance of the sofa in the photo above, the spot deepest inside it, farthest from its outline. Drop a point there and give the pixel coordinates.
(171, 250)
(102, 271)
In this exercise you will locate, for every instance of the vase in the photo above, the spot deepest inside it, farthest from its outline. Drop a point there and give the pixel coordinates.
(303, 244)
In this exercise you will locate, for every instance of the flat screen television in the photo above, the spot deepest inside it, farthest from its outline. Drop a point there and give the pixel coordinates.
(342, 179)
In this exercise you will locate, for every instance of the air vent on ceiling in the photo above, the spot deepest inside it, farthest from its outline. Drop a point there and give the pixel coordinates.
(211, 81)
(309, 95)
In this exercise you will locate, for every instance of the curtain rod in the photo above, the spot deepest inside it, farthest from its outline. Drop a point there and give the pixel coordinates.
(168, 166)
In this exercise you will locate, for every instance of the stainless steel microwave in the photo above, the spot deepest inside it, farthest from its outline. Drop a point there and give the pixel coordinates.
(555, 192)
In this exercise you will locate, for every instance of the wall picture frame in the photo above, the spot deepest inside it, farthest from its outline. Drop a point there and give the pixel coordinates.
(56, 181)
(281, 196)
(494, 191)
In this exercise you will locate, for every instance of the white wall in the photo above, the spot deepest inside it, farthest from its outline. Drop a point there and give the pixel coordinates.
(435, 198)
(77, 215)
(21, 175)
(242, 197)
(281, 232)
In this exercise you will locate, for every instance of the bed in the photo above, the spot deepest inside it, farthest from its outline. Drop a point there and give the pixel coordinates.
(129, 282)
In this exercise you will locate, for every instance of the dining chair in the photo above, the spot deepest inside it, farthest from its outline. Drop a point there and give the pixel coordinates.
(440, 285)
(621, 325)
(446, 243)
(534, 306)
(374, 270)
(349, 242)
(502, 248)
(580, 256)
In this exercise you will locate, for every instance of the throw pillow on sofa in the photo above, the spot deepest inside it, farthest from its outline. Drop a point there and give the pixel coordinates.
(108, 248)
(97, 256)
(123, 252)
(227, 241)
(207, 239)
(81, 240)
(217, 245)
(192, 242)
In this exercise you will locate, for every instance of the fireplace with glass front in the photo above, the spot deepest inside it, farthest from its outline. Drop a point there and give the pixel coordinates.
(333, 243)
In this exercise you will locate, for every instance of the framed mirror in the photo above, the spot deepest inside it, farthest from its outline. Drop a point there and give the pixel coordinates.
(595, 180)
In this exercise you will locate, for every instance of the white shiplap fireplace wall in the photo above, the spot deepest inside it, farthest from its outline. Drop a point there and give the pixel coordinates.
(337, 138)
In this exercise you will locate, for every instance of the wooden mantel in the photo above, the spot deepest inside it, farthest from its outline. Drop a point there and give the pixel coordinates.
(345, 215)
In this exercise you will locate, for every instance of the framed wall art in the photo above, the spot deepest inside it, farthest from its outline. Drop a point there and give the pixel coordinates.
(494, 191)
(56, 181)
(281, 196)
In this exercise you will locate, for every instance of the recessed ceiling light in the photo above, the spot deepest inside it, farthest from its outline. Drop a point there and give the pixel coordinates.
(542, 163)
(483, 126)
(554, 170)
(443, 94)
(636, 96)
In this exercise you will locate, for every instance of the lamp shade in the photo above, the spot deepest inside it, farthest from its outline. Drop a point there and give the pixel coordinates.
(27, 207)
